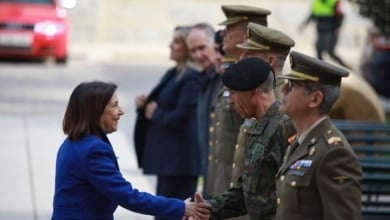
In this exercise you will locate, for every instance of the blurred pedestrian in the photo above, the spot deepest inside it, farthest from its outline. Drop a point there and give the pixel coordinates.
(171, 149)
(250, 83)
(328, 15)
(320, 171)
(204, 52)
(88, 183)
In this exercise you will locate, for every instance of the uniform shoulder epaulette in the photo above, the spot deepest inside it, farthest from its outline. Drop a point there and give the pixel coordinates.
(333, 138)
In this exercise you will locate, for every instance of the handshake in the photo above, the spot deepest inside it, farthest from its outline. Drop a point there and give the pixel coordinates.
(198, 210)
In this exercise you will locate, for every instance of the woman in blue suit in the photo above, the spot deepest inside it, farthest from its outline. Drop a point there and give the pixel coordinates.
(170, 148)
(88, 183)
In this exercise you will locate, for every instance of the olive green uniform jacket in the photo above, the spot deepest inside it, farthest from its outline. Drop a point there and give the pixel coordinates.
(319, 179)
(224, 125)
(254, 193)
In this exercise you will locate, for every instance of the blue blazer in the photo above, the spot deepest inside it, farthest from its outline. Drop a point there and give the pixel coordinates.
(89, 185)
(171, 144)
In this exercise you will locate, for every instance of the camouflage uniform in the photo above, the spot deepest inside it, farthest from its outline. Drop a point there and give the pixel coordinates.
(239, 153)
(254, 193)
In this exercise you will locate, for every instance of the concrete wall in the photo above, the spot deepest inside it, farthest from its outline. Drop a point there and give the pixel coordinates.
(145, 26)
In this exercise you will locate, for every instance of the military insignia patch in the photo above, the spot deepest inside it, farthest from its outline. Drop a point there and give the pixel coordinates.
(334, 140)
(226, 93)
(340, 179)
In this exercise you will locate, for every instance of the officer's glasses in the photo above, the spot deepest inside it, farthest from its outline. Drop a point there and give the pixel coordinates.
(294, 83)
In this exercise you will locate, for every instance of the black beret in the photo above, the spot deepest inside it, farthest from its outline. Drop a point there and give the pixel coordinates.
(307, 68)
(246, 74)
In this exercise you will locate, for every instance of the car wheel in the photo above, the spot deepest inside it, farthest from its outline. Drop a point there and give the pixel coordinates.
(62, 60)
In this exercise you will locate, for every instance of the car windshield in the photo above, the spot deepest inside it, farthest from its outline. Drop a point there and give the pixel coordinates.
(29, 1)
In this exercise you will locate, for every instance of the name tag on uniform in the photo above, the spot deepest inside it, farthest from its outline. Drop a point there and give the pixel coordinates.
(301, 164)
(296, 172)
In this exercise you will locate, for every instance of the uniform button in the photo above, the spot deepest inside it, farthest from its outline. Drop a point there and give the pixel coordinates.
(237, 146)
(211, 129)
(278, 201)
(293, 183)
(212, 115)
(282, 178)
(218, 123)
(227, 106)
(234, 165)
(312, 150)
(210, 157)
(231, 184)
(210, 143)
(245, 130)
(216, 141)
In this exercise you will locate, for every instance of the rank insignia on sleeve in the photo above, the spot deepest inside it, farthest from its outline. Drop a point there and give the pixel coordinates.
(334, 140)
(340, 179)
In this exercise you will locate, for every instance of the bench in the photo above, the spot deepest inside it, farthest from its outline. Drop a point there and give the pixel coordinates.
(371, 142)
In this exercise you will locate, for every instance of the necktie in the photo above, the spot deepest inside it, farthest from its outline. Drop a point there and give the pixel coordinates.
(291, 149)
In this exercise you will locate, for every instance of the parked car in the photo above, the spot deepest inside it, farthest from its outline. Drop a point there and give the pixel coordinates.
(34, 29)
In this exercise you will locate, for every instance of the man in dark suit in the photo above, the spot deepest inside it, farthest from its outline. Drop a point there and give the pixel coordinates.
(170, 149)
(320, 174)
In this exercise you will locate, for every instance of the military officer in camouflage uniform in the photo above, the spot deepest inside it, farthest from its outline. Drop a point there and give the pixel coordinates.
(273, 47)
(224, 120)
(320, 176)
(250, 83)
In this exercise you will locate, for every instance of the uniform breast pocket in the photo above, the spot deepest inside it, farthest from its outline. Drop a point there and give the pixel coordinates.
(259, 175)
(297, 187)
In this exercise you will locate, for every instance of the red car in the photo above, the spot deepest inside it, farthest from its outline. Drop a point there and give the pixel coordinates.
(33, 29)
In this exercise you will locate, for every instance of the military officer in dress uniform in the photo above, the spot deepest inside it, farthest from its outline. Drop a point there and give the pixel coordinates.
(319, 178)
(273, 47)
(224, 120)
(236, 23)
(270, 45)
(251, 83)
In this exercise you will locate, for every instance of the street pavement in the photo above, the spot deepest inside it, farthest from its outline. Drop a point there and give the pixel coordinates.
(30, 140)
